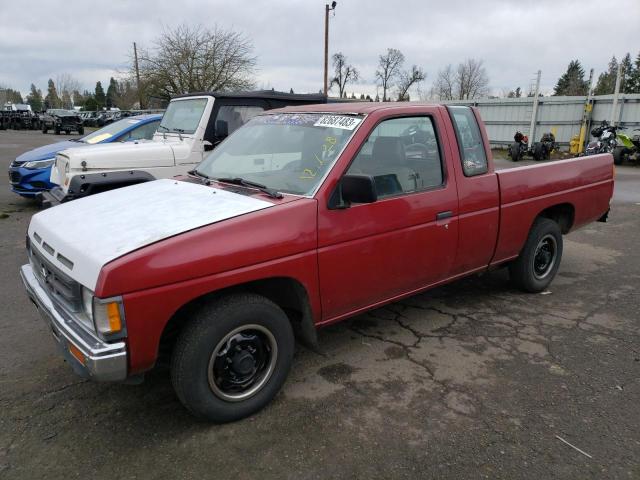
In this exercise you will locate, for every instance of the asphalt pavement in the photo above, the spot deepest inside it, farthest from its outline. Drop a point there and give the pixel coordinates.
(473, 380)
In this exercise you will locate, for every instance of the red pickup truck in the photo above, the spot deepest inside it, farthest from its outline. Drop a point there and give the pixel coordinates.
(303, 217)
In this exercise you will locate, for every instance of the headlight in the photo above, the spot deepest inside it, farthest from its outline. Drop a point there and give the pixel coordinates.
(39, 164)
(105, 315)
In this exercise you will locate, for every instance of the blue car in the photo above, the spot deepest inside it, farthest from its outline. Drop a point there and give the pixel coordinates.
(29, 173)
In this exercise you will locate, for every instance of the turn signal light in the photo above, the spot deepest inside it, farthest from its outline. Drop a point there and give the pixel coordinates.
(113, 315)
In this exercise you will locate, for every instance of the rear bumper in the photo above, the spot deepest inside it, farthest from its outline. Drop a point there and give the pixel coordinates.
(98, 360)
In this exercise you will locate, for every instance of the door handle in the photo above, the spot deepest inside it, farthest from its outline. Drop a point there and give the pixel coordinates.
(443, 215)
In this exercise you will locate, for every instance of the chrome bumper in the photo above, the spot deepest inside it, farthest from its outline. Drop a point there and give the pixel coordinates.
(102, 361)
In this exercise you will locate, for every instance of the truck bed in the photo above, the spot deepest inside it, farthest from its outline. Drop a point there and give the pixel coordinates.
(583, 185)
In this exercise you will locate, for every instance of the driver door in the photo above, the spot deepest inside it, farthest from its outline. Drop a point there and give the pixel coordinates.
(407, 239)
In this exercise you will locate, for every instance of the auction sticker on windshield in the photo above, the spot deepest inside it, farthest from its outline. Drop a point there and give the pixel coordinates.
(338, 121)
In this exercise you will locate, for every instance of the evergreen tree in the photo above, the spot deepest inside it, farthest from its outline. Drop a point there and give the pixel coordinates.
(633, 84)
(51, 100)
(607, 80)
(627, 71)
(90, 104)
(112, 93)
(572, 82)
(99, 96)
(12, 96)
(35, 99)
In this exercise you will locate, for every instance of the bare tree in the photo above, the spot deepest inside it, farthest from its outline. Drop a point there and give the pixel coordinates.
(344, 73)
(187, 59)
(408, 79)
(444, 85)
(389, 66)
(66, 84)
(471, 79)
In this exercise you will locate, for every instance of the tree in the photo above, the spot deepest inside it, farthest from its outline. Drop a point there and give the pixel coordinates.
(77, 98)
(35, 99)
(407, 79)
(607, 80)
(444, 86)
(112, 93)
(343, 73)
(572, 82)
(126, 96)
(517, 93)
(627, 72)
(471, 79)
(90, 104)
(389, 66)
(633, 84)
(9, 95)
(51, 100)
(99, 96)
(187, 59)
(66, 100)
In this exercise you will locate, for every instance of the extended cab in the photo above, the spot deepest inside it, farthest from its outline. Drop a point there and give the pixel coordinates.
(303, 217)
(192, 125)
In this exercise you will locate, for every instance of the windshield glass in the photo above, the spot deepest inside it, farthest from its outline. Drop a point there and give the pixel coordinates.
(183, 116)
(109, 131)
(288, 152)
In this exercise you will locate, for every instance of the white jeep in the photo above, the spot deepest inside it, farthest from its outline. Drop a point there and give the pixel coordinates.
(192, 125)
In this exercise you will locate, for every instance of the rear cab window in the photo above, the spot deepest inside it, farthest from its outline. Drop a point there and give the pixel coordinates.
(470, 144)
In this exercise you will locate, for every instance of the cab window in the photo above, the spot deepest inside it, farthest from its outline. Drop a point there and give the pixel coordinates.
(402, 156)
(472, 153)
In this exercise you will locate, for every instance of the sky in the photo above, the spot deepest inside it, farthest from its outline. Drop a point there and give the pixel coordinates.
(92, 41)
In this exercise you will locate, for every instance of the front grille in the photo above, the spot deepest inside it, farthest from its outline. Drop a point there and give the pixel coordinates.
(63, 290)
(14, 177)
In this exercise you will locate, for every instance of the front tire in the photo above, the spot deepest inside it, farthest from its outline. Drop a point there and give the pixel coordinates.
(539, 152)
(540, 258)
(619, 155)
(232, 358)
(514, 151)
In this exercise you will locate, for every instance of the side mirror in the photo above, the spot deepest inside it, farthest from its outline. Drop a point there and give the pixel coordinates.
(222, 129)
(208, 146)
(358, 189)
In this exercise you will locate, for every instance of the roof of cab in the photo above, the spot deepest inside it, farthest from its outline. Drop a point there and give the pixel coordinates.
(271, 94)
(360, 108)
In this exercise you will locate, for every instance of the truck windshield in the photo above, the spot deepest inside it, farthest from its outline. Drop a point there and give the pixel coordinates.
(183, 116)
(287, 152)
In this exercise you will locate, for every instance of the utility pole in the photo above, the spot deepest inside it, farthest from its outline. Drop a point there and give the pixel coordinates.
(135, 57)
(327, 8)
(534, 111)
(616, 94)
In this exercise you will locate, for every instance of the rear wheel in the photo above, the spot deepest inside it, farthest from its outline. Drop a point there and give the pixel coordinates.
(232, 358)
(540, 258)
(514, 152)
(44, 129)
(539, 152)
(81, 130)
(620, 154)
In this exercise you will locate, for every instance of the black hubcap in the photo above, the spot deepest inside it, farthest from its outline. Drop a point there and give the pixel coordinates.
(242, 362)
(544, 257)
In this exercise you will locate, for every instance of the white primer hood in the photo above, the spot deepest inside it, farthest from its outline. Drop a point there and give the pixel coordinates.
(92, 231)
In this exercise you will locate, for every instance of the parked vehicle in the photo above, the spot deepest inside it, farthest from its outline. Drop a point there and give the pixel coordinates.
(303, 217)
(60, 120)
(18, 116)
(628, 148)
(30, 172)
(606, 139)
(192, 125)
(542, 150)
(520, 147)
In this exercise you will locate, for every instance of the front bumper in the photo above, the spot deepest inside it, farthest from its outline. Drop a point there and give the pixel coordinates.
(29, 182)
(99, 361)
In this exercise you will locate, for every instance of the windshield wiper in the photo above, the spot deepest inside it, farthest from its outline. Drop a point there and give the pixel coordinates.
(162, 126)
(205, 178)
(248, 183)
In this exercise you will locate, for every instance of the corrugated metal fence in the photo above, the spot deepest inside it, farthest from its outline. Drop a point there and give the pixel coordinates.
(561, 115)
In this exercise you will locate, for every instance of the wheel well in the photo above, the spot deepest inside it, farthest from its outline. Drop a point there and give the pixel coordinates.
(289, 294)
(563, 214)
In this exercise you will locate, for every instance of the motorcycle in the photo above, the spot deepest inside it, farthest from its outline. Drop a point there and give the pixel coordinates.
(542, 150)
(628, 150)
(520, 147)
(605, 142)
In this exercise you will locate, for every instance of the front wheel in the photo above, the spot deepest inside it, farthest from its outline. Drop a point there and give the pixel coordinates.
(232, 358)
(539, 152)
(540, 258)
(619, 155)
(515, 152)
